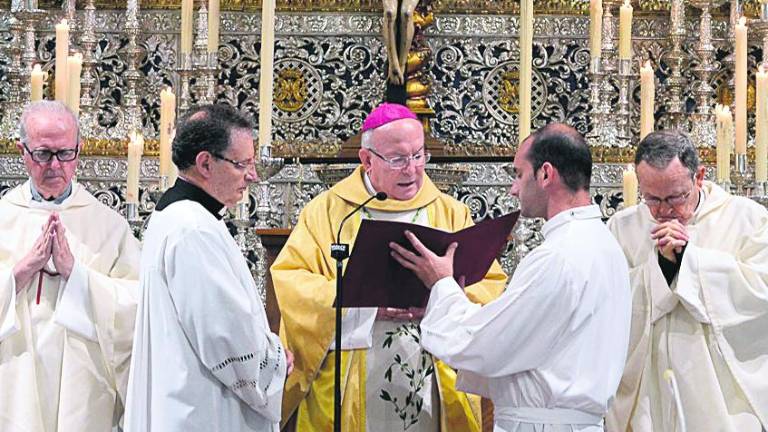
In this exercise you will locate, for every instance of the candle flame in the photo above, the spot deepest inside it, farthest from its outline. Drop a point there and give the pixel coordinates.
(743, 21)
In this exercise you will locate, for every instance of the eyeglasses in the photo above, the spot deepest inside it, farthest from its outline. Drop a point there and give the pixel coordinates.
(672, 201)
(242, 165)
(400, 162)
(45, 155)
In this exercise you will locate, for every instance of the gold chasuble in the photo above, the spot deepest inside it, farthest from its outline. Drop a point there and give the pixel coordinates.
(64, 361)
(304, 279)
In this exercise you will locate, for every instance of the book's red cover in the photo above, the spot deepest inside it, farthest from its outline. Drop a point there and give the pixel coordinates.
(374, 279)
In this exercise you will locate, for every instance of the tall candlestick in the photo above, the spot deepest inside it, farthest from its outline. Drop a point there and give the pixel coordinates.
(267, 72)
(213, 26)
(36, 84)
(761, 126)
(741, 86)
(62, 51)
(167, 116)
(647, 99)
(187, 12)
(595, 28)
(629, 183)
(625, 31)
(526, 68)
(74, 67)
(135, 150)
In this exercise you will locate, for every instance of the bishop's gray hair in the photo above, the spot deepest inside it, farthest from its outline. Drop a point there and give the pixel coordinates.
(366, 139)
(45, 107)
(660, 148)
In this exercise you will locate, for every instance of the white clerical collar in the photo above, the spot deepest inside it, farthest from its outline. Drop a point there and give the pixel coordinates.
(591, 211)
(368, 184)
(699, 206)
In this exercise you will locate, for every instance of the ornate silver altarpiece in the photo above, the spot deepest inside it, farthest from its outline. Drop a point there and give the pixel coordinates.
(330, 70)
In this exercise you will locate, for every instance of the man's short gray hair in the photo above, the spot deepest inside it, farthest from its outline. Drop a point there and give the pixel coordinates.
(366, 139)
(45, 107)
(660, 148)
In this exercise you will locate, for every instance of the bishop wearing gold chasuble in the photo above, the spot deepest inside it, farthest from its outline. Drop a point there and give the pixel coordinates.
(389, 383)
(68, 279)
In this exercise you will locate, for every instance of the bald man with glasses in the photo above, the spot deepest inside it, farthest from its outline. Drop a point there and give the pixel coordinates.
(697, 258)
(68, 282)
(393, 160)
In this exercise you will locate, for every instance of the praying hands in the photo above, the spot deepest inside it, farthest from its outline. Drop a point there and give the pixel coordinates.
(51, 243)
(670, 237)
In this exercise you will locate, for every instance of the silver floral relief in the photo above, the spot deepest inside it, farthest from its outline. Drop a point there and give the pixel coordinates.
(5, 43)
(480, 116)
(326, 85)
(339, 60)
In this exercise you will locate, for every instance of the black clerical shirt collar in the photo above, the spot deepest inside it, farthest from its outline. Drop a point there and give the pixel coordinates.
(184, 190)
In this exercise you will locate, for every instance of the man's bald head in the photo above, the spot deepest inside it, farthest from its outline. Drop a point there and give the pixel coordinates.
(565, 148)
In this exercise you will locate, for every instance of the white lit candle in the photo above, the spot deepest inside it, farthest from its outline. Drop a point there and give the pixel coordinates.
(625, 31)
(74, 67)
(724, 142)
(629, 183)
(173, 171)
(213, 26)
(36, 84)
(187, 16)
(595, 27)
(761, 126)
(62, 51)
(135, 150)
(741, 86)
(526, 69)
(267, 73)
(647, 99)
(167, 117)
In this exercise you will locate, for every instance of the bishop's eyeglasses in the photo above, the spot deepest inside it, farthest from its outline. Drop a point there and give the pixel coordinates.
(420, 158)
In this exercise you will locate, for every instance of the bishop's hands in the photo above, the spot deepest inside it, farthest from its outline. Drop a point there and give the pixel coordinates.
(395, 314)
(670, 237)
(425, 264)
(50, 244)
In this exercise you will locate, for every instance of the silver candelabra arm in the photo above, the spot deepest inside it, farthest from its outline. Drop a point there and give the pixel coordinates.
(201, 61)
(605, 132)
(676, 110)
(703, 131)
(266, 167)
(132, 74)
(624, 114)
(88, 104)
(12, 108)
